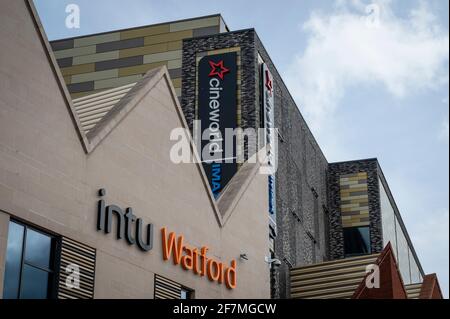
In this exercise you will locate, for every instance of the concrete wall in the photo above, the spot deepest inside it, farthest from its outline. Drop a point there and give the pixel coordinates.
(48, 180)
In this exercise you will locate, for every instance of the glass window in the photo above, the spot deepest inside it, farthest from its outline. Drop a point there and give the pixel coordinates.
(34, 283)
(29, 270)
(387, 219)
(38, 249)
(186, 294)
(403, 255)
(356, 241)
(13, 261)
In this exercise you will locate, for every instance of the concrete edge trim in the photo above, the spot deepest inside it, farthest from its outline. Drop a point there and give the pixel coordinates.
(57, 72)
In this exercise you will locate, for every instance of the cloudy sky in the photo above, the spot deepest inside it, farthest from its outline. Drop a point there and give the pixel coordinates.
(371, 78)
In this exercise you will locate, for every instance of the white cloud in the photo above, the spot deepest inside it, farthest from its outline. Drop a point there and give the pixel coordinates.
(353, 46)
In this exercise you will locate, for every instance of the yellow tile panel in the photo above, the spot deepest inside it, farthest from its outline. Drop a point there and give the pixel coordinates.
(174, 64)
(102, 38)
(149, 49)
(94, 76)
(75, 52)
(175, 45)
(140, 69)
(92, 58)
(164, 56)
(167, 37)
(176, 82)
(145, 31)
(348, 197)
(77, 69)
(110, 83)
(358, 186)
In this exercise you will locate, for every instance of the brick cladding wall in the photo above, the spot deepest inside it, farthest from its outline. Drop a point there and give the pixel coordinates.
(336, 235)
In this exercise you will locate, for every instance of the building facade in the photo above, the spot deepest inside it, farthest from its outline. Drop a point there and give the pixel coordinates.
(114, 111)
(109, 215)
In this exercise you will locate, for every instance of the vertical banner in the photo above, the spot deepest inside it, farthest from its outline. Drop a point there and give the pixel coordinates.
(268, 100)
(217, 111)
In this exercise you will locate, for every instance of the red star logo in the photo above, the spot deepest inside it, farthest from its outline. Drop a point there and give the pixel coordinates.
(218, 69)
(269, 84)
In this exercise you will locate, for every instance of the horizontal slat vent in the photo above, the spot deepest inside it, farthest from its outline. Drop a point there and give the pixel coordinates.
(166, 288)
(413, 291)
(92, 108)
(330, 280)
(76, 254)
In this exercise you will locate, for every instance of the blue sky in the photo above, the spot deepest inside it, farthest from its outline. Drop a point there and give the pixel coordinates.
(370, 84)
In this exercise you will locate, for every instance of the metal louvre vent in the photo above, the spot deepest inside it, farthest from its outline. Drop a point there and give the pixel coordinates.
(92, 108)
(166, 289)
(75, 255)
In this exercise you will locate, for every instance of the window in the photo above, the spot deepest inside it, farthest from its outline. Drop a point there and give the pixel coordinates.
(356, 241)
(186, 293)
(29, 271)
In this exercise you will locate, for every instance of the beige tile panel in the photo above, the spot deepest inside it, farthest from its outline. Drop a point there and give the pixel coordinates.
(77, 69)
(350, 205)
(174, 64)
(145, 31)
(194, 24)
(165, 56)
(139, 69)
(167, 37)
(354, 190)
(102, 38)
(343, 198)
(94, 76)
(75, 52)
(358, 186)
(149, 49)
(175, 45)
(111, 83)
(92, 58)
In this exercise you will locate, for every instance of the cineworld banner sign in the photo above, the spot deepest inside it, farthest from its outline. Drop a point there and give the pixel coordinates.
(217, 111)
